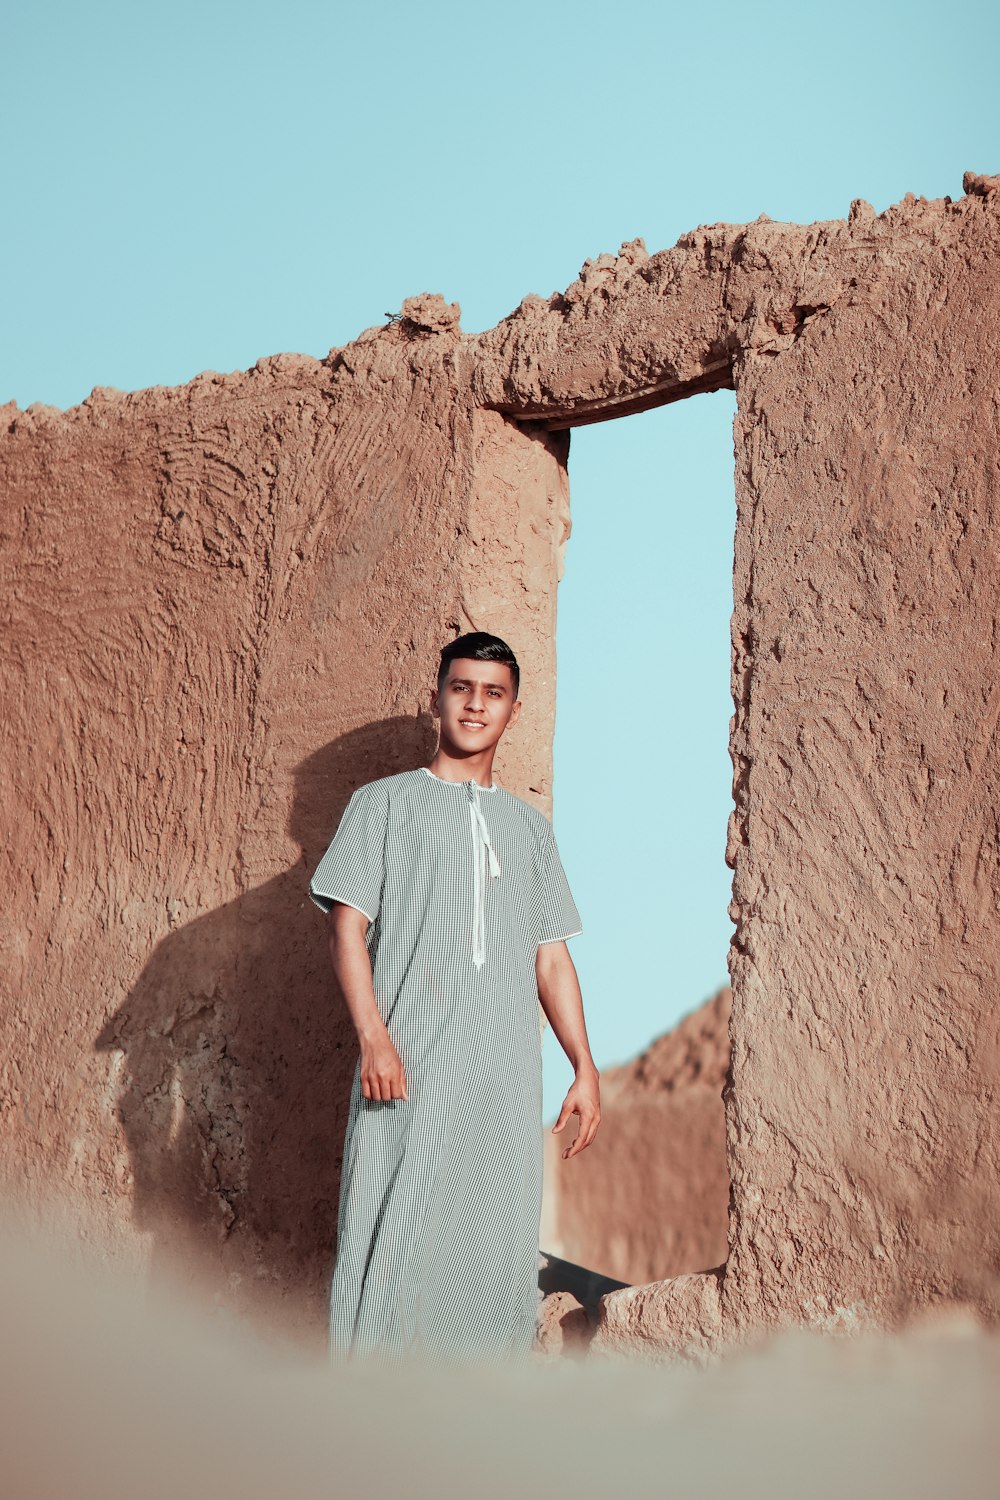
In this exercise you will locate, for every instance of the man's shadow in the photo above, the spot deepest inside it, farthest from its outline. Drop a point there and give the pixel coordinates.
(239, 1054)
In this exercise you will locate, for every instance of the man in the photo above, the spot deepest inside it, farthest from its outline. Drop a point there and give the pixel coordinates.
(449, 910)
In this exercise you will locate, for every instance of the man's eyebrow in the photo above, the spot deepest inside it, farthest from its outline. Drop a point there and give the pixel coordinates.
(464, 681)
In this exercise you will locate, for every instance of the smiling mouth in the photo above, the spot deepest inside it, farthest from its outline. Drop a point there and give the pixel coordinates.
(472, 724)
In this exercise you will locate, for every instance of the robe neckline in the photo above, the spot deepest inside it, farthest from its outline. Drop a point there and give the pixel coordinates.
(470, 782)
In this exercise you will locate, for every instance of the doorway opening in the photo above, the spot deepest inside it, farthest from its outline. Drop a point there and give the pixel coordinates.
(642, 791)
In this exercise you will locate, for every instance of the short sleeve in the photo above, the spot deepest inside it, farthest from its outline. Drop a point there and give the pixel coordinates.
(559, 918)
(353, 867)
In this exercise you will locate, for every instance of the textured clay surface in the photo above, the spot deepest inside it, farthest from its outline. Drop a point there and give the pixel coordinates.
(222, 608)
(649, 1199)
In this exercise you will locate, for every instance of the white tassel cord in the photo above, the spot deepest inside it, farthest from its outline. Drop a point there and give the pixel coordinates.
(480, 843)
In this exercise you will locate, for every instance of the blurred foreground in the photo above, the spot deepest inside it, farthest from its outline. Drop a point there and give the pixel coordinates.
(113, 1389)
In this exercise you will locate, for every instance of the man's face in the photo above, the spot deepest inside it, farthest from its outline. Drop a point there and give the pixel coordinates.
(475, 703)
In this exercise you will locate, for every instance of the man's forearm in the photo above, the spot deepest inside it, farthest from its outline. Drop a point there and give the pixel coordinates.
(382, 1074)
(562, 1002)
(352, 966)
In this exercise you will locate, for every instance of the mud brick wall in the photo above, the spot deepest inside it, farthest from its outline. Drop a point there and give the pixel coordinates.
(223, 606)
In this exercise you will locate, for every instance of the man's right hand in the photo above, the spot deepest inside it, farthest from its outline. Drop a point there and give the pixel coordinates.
(382, 1073)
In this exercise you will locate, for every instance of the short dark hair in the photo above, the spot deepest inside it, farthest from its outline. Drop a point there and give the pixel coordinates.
(479, 645)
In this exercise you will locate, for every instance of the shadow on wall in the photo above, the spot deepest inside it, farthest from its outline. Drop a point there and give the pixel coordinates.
(239, 1056)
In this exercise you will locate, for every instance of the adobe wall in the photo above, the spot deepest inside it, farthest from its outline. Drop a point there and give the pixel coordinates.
(225, 603)
(863, 1139)
(864, 1119)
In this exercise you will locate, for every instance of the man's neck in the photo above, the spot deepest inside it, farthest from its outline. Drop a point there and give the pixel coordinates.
(473, 767)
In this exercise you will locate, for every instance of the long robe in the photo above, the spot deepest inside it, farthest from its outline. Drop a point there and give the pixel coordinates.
(440, 1193)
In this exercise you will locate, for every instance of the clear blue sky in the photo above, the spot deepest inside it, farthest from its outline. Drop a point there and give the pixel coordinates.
(190, 186)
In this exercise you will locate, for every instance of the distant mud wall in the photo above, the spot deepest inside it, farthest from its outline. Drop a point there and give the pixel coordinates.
(224, 605)
(649, 1198)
